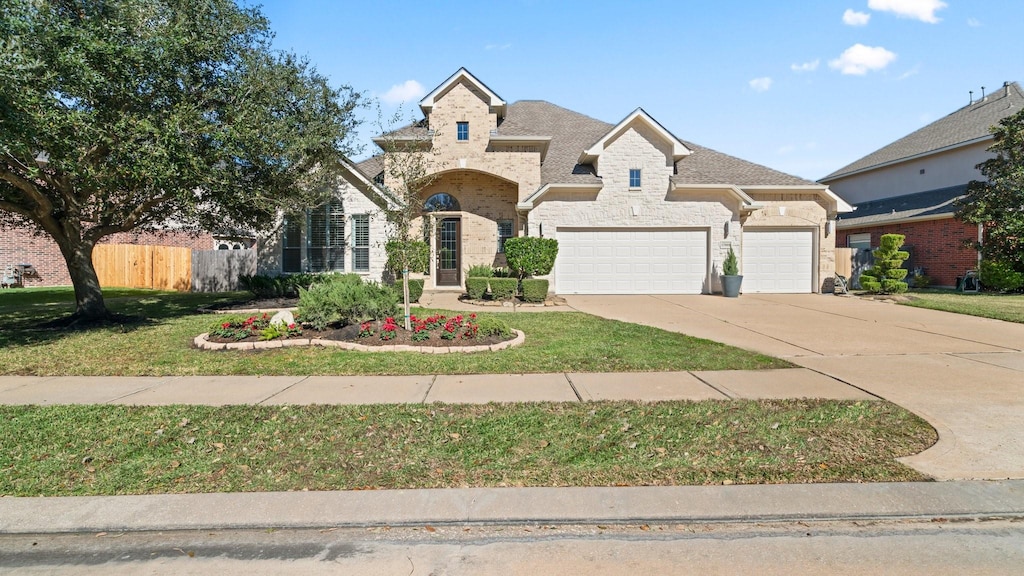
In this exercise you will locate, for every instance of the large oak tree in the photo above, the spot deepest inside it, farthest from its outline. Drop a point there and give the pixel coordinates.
(119, 115)
(998, 202)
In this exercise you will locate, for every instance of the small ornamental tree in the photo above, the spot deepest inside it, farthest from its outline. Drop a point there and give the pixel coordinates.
(886, 276)
(530, 255)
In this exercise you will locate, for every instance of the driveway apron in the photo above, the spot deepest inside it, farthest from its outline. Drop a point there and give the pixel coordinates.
(963, 374)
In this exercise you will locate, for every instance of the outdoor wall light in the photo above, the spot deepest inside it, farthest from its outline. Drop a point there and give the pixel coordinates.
(829, 227)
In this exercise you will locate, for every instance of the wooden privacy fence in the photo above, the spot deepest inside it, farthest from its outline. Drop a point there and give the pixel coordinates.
(133, 266)
(171, 268)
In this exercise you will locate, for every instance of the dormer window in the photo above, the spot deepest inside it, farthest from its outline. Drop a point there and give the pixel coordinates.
(462, 131)
(634, 177)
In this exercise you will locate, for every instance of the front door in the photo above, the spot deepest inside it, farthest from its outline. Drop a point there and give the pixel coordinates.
(449, 252)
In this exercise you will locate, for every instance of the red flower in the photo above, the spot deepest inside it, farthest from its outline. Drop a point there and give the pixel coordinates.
(226, 325)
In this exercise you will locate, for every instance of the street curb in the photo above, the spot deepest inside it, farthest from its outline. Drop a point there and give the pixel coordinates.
(514, 506)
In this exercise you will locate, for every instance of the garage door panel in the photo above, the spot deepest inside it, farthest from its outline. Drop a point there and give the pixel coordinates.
(631, 261)
(778, 261)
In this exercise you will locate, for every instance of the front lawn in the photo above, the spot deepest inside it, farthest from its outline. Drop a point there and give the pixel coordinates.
(1008, 307)
(108, 450)
(162, 345)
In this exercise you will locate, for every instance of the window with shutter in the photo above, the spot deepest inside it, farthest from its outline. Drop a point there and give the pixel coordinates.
(291, 252)
(327, 238)
(361, 243)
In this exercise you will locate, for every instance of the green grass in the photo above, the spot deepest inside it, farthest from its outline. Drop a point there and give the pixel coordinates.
(97, 450)
(1008, 307)
(162, 345)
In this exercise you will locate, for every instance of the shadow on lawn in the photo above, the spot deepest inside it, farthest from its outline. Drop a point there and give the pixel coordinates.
(39, 318)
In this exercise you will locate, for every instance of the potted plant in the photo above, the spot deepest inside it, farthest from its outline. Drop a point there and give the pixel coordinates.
(731, 278)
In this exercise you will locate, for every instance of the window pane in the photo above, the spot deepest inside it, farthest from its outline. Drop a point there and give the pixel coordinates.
(361, 244)
(504, 233)
(634, 178)
(291, 242)
(463, 130)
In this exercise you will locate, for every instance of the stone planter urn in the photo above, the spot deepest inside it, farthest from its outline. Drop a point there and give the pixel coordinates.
(731, 286)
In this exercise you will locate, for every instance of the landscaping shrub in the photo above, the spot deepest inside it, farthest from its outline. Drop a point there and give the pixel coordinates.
(1001, 276)
(415, 289)
(504, 288)
(346, 299)
(491, 326)
(731, 267)
(530, 255)
(503, 273)
(480, 271)
(886, 276)
(535, 290)
(283, 286)
(476, 287)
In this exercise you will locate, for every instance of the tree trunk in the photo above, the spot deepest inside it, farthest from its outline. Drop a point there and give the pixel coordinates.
(89, 304)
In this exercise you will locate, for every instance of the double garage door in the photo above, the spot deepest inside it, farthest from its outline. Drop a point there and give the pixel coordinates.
(631, 261)
(675, 261)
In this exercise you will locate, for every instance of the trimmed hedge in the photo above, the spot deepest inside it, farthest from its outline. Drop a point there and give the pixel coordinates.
(535, 290)
(415, 289)
(1000, 276)
(504, 288)
(530, 255)
(491, 326)
(476, 287)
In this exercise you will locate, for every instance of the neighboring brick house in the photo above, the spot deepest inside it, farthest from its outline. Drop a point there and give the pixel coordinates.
(635, 209)
(910, 187)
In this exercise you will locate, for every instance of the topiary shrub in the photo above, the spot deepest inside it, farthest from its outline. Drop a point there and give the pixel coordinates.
(1000, 276)
(535, 289)
(346, 299)
(504, 288)
(530, 255)
(476, 287)
(886, 276)
(730, 266)
(491, 326)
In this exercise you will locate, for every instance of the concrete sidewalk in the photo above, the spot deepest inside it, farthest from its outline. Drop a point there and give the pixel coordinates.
(505, 506)
(473, 389)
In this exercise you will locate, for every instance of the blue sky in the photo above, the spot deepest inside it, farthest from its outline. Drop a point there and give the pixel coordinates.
(803, 87)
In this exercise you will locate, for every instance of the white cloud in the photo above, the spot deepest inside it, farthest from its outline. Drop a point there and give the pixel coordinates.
(498, 46)
(761, 84)
(404, 92)
(912, 72)
(853, 18)
(974, 23)
(806, 66)
(923, 10)
(860, 59)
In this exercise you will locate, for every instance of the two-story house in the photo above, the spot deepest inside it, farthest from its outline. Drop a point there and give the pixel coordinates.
(910, 187)
(635, 209)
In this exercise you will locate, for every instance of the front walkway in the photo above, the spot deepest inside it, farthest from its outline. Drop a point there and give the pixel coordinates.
(963, 374)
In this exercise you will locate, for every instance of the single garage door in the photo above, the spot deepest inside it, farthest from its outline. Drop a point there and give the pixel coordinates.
(631, 261)
(778, 261)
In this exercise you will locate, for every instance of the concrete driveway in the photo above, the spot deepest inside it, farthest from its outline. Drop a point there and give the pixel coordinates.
(963, 374)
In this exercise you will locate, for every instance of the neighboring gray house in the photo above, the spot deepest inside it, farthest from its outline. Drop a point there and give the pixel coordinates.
(910, 187)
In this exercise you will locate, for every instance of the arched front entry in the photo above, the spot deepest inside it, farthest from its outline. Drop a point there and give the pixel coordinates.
(467, 216)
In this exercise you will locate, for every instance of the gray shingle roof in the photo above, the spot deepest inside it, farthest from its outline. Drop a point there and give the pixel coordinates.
(966, 124)
(371, 167)
(931, 203)
(707, 166)
(571, 133)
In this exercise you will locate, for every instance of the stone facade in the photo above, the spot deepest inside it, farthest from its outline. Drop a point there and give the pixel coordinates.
(270, 253)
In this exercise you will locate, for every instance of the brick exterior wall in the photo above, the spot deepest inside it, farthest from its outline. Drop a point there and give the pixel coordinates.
(936, 245)
(19, 245)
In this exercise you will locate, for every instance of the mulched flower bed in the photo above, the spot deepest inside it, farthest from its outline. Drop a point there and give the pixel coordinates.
(352, 333)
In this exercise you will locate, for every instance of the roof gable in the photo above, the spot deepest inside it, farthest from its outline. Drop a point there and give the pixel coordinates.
(591, 154)
(494, 102)
(968, 125)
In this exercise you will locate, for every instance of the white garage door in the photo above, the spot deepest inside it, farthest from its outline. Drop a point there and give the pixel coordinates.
(778, 261)
(631, 261)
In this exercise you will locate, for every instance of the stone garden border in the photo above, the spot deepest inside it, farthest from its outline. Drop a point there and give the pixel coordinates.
(202, 342)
